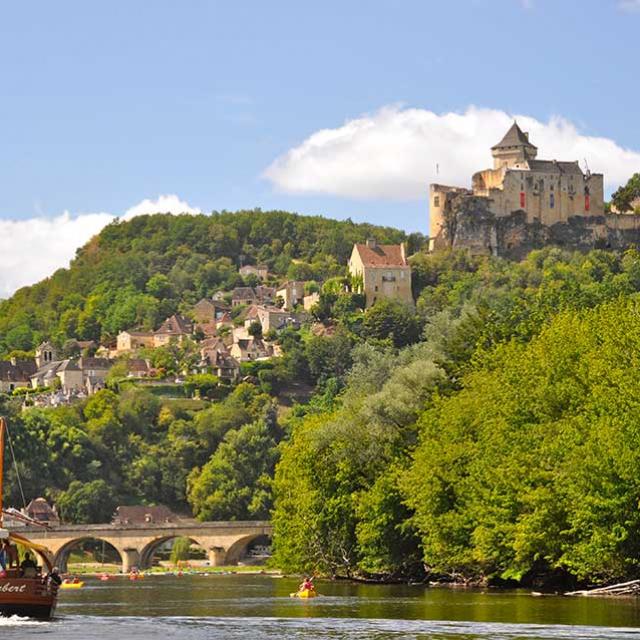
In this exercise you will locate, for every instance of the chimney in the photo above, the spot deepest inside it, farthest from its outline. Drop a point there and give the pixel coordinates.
(371, 243)
(403, 252)
(526, 135)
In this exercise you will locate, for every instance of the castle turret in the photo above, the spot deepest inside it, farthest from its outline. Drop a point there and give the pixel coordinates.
(513, 149)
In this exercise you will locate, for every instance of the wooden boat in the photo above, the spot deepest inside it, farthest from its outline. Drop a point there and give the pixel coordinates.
(24, 592)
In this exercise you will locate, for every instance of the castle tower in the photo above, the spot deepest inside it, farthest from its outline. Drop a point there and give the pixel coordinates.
(513, 149)
(45, 354)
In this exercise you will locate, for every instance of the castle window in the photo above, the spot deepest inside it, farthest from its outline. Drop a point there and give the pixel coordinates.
(436, 201)
(587, 202)
(522, 200)
(552, 201)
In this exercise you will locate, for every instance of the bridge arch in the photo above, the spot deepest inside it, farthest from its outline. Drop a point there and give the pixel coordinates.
(148, 551)
(239, 547)
(61, 556)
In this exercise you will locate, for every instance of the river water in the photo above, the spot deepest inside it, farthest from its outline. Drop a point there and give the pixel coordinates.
(259, 607)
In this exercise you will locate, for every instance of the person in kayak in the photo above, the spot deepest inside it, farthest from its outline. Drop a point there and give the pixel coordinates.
(306, 585)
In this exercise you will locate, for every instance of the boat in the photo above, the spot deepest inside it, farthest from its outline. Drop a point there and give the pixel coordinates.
(305, 593)
(24, 592)
(70, 584)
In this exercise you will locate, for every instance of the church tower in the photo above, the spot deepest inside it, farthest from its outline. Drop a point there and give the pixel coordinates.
(45, 354)
(514, 149)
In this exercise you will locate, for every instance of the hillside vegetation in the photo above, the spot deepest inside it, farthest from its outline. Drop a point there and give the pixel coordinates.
(136, 273)
(489, 434)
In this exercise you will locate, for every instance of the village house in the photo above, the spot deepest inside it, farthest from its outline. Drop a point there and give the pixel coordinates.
(291, 293)
(175, 328)
(16, 373)
(216, 357)
(39, 509)
(260, 271)
(252, 295)
(133, 340)
(381, 271)
(268, 317)
(84, 375)
(206, 311)
(309, 301)
(248, 349)
(138, 368)
(142, 514)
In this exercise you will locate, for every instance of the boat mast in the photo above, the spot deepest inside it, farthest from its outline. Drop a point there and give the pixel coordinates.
(2, 430)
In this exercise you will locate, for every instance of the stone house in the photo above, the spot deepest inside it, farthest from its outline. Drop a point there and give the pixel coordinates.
(248, 349)
(206, 311)
(39, 509)
(309, 301)
(260, 271)
(268, 317)
(175, 328)
(133, 340)
(292, 294)
(16, 373)
(243, 295)
(216, 357)
(382, 271)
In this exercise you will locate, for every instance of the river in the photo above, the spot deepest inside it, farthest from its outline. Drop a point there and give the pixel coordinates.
(259, 607)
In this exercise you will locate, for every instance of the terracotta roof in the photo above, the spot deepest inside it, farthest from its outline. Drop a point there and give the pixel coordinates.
(515, 137)
(382, 255)
(141, 514)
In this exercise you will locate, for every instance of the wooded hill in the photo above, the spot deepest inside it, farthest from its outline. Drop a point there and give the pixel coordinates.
(136, 273)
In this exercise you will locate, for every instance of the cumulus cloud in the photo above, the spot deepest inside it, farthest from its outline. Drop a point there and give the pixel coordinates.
(396, 152)
(33, 249)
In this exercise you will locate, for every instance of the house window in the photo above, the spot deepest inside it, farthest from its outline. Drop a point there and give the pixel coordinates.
(436, 201)
(376, 287)
(552, 201)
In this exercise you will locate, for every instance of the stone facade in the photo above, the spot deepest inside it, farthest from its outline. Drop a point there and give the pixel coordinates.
(525, 203)
(382, 271)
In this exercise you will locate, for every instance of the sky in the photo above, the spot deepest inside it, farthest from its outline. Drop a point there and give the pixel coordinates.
(339, 108)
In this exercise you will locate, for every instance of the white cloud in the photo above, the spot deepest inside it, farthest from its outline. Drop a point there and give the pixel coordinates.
(33, 249)
(395, 153)
(629, 5)
(163, 204)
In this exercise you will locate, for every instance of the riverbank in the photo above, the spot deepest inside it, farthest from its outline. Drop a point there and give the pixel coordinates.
(88, 568)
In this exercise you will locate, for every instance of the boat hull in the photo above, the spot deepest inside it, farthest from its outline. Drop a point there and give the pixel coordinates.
(27, 598)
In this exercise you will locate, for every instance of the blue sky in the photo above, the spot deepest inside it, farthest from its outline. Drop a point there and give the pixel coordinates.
(106, 104)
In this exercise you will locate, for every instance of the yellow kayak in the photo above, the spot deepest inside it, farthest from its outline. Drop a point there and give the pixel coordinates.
(72, 585)
(305, 593)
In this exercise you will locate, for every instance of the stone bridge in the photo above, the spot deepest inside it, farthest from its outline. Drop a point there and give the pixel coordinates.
(224, 542)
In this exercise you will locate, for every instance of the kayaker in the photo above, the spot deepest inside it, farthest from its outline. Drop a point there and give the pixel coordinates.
(306, 585)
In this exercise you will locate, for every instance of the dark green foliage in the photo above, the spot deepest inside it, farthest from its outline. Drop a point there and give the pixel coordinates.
(625, 195)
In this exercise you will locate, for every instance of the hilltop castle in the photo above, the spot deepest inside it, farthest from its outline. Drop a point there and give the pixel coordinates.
(524, 203)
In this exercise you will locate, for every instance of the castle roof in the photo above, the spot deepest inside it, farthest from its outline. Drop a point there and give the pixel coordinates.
(554, 166)
(515, 137)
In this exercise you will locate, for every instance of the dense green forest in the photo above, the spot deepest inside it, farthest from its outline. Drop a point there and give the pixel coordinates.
(489, 433)
(136, 273)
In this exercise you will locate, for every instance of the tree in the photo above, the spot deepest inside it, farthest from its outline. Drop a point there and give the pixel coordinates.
(255, 329)
(391, 319)
(235, 484)
(86, 503)
(624, 197)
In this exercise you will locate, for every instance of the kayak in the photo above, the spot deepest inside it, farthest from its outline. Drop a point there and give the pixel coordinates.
(305, 593)
(72, 585)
